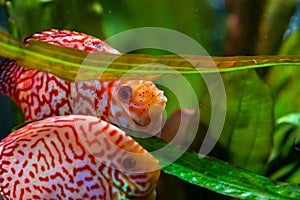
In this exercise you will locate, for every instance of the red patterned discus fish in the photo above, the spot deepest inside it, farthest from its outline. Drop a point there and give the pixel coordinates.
(75, 157)
(136, 104)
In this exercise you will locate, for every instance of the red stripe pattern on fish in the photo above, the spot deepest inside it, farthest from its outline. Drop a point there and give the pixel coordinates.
(136, 104)
(75, 157)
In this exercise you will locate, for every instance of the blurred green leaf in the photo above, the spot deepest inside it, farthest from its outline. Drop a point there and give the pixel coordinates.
(30, 16)
(284, 163)
(273, 24)
(247, 133)
(284, 81)
(286, 89)
(291, 45)
(194, 18)
(242, 26)
(292, 118)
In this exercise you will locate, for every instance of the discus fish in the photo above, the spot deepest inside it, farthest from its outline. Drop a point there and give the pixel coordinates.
(75, 157)
(135, 104)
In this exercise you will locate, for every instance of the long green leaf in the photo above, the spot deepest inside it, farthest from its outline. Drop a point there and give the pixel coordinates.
(74, 65)
(219, 176)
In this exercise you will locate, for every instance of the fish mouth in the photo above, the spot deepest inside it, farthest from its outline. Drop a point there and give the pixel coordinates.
(151, 123)
(149, 118)
(142, 122)
(154, 115)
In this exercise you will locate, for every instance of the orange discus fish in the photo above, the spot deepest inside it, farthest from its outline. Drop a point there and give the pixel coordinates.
(136, 104)
(75, 157)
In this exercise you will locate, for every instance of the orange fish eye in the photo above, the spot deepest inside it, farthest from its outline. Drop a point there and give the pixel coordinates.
(125, 92)
(129, 163)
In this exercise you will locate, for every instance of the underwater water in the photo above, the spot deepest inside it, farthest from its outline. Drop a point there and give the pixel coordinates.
(248, 117)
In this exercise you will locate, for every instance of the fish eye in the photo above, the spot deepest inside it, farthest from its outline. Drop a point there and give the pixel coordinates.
(125, 92)
(129, 163)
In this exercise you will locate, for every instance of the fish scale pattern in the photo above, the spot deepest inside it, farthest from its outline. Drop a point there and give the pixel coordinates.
(74, 157)
(39, 94)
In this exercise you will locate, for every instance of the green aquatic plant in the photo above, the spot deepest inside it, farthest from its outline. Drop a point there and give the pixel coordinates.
(205, 171)
(219, 176)
(260, 89)
(65, 62)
